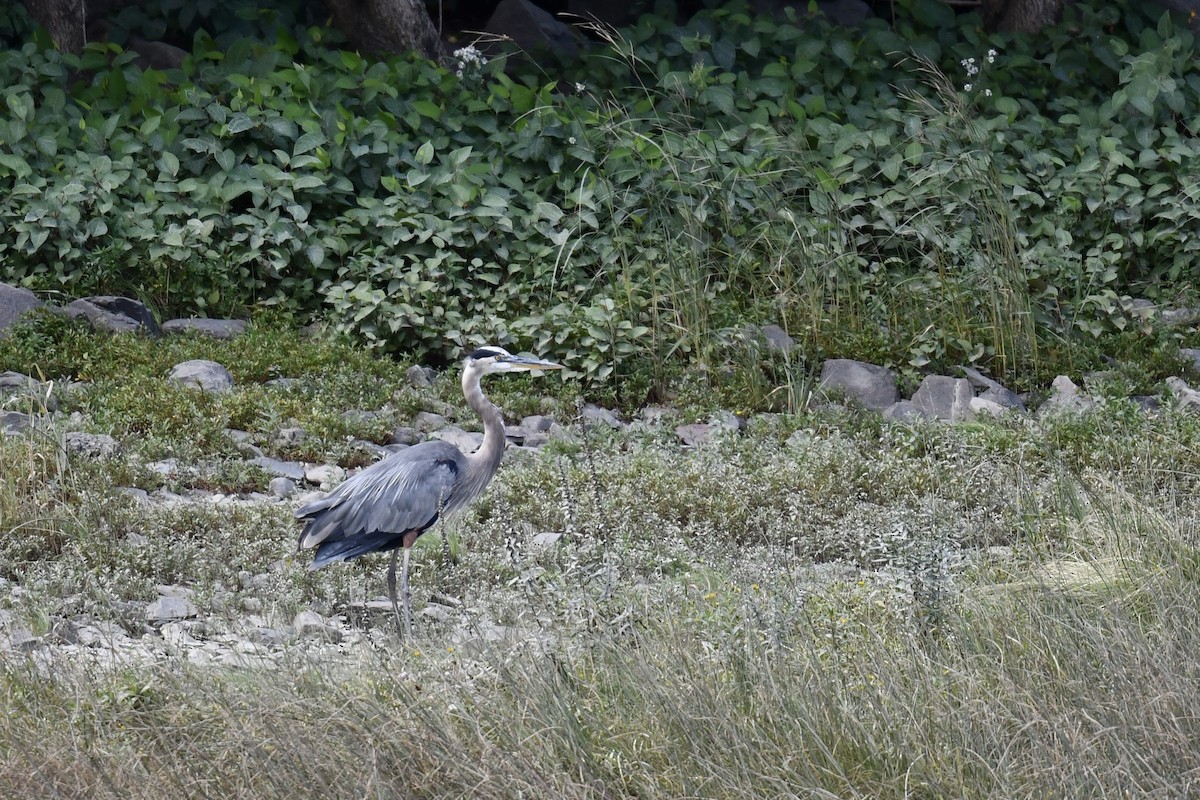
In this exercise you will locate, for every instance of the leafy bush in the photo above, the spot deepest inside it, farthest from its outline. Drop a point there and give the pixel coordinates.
(685, 186)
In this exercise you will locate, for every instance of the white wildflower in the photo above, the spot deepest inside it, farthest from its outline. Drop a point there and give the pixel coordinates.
(987, 92)
(570, 140)
(967, 87)
(580, 87)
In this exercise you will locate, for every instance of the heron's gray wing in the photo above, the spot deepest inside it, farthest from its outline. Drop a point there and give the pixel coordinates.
(404, 492)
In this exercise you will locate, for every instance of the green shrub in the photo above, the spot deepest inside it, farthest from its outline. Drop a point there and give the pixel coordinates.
(810, 176)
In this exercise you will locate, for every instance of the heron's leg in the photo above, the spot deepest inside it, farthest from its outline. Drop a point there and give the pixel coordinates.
(391, 580)
(405, 596)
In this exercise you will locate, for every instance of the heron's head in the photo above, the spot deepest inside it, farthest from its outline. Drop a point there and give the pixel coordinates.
(489, 359)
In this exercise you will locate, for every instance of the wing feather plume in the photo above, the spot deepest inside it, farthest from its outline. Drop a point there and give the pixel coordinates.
(375, 508)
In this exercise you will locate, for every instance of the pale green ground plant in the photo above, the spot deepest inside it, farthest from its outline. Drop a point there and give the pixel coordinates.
(833, 606)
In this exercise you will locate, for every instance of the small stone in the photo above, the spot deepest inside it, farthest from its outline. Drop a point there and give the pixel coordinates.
(15, 421)
(168, 608)
(213, 328)
(164, 467)
(177, 635)
(405, 436)
(426, 421)
(981, 406)
(282, 488)
(290, 437)
(98, 446)
(22, 640)
(777, 338)
(656, 415)
(466, 441)
(311, 625)
(594, 413)
(537, 423)
(418, 376)
(546, 539)
(293, 470)
(324, 474)
(207, 376)
(695, 434)
(725, 421)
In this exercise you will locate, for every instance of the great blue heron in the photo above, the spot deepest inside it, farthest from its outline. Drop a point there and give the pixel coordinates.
(389, 504)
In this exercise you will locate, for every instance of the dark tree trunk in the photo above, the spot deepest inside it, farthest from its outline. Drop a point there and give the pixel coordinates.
(62, 19)
(1021, 16)
(387, 27)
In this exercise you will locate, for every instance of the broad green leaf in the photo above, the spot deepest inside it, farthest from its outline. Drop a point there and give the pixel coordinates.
(424, 154)
(307, 142)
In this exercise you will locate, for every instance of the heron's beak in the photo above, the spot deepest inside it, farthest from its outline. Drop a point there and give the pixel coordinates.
(523, 363)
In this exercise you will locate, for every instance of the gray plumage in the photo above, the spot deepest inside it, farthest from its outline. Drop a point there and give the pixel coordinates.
(389, 504)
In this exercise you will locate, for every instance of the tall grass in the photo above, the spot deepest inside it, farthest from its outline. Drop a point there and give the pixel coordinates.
(1086, 689)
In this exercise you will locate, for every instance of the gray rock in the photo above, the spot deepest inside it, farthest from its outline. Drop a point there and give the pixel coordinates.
(1192, 354)
(214, 328)
(872, 386)
(115, 314)
(725, 421)
(993, 390)
(91, 445)
(981, 406)
(282, 487)
(290, 437)
(531, 29)
(467, 441)
(847, 13)
(268, 637)
(293, 470)
(208, 376)
(372, 449)
(21, 391)
(546, 539)
(614, 15)
(945, 398)
(656, 415)
(1186, 398)
(426, 421)
(405, 436)
(164, 467)
(695, 434)
(311, 625)
(1147, 403)
(1003, 397)
(1066, 399)
(594, 413)
(15, 421)
(536, 423)
(1179, 317)
(324, 474)
(97, 633)
(22, 640)
(904, 411)
(419, 377)
(777, 339)
(358, 416)
(168, 607)
(15, 303)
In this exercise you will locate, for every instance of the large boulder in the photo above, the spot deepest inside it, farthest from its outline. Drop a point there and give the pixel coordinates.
(531, 29)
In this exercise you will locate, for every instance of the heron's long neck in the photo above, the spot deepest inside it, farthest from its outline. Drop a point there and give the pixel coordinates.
(486, 460)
